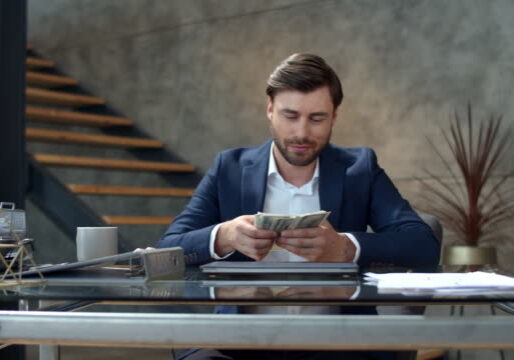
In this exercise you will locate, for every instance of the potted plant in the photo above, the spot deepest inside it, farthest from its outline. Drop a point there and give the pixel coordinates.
(477, 200)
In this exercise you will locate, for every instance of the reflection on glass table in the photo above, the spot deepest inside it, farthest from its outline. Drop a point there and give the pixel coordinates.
(113, 287)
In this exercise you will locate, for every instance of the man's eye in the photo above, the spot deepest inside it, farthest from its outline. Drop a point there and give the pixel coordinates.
(318, 120)
(291, 117)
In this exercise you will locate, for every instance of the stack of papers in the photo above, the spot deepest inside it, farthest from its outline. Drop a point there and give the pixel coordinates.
(441, 283)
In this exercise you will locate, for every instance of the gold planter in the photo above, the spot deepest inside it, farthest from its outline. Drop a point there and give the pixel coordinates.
(469, 255)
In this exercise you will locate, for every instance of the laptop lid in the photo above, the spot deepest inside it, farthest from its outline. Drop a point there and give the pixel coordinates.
(259, 267)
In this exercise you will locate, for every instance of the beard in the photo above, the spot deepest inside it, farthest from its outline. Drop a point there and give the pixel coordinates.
(298, 159)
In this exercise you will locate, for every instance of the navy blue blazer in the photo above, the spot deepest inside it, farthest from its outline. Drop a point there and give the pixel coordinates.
(352, 187)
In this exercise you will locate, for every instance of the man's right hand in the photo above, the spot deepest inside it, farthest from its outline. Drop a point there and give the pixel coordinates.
(242, 235)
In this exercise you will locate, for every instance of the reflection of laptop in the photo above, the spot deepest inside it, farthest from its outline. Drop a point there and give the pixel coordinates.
(293, 268)
(280, 283)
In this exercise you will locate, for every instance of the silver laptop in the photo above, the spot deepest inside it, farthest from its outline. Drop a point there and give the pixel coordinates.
(259, 267)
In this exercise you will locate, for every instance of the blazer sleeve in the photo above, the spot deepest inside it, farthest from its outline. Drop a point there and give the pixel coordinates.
(192, 228)
(400, 237)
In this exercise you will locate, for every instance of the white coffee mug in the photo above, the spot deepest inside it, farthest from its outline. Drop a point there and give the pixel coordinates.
(96, 242)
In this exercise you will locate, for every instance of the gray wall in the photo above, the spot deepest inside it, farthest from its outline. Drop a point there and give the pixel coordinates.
(193, 73)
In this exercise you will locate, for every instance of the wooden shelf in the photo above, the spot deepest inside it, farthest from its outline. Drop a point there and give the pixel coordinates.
(49, 80)
(51, 97)
(137, 220)
(129, 190)
(48, 135)
(112, 164)
(38, 63)
(41, 114)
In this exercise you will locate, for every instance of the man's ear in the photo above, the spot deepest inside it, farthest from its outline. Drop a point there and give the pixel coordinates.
(269, 108)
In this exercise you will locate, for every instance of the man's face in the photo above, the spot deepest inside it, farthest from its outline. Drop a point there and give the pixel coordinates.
(301, 124)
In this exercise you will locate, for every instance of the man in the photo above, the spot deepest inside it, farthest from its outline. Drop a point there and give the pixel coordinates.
(298, 172)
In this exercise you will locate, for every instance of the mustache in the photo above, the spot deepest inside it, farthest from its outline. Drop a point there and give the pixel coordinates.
(299, 141)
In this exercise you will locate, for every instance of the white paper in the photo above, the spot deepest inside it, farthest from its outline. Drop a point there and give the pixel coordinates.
(440, 282)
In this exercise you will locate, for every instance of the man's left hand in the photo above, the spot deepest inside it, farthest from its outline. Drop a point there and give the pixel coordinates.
(319, 244)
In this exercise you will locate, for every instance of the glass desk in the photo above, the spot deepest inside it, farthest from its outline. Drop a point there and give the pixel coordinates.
(59, 324)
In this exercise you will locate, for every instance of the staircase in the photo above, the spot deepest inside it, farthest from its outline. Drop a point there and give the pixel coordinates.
(89, 166)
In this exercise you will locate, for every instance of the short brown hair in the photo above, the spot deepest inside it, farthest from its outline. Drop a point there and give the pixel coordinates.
(305, 73)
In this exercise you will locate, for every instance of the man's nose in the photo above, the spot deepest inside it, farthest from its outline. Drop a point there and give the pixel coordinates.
(302, 130)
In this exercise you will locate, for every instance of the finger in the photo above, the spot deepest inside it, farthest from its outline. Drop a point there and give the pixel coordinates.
(290, 291)
(295, 293)
(256, 253)
(327, 224)
(255, 232)
(302, 233)
(251, 244)
(247, 226)
(250, 219)
(261, 243)
(264, 292)
(249, 230)
(300, 242)
(297, 250)
(309, 253)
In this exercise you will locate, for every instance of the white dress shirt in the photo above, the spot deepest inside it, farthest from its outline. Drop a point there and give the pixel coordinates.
(284, 198)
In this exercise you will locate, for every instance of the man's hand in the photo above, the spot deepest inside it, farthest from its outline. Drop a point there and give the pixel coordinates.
(320, 244)
(242, 235)
(317, 292)
(243, 292)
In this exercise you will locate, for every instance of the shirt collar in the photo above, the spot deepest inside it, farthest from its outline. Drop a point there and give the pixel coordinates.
(273, 170)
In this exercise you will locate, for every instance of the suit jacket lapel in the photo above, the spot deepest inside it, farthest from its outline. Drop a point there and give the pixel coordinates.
(331, 184)
(254, 180)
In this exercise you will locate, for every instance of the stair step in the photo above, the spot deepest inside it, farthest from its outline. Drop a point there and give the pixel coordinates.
(137, 220)
(37, 63)
(49, 80)
(129, 190)
(35, 113)
(61, 98)
(49, 135)
(112, 164)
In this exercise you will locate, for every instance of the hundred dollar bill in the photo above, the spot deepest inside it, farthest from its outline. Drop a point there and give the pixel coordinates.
(279, 222)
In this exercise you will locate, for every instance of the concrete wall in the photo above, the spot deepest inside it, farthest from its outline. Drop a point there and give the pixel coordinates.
(193, 73)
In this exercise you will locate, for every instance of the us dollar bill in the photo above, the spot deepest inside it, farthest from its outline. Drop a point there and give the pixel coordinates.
(279, 222)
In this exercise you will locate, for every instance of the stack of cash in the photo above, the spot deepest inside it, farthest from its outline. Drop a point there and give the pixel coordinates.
(283, 222)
